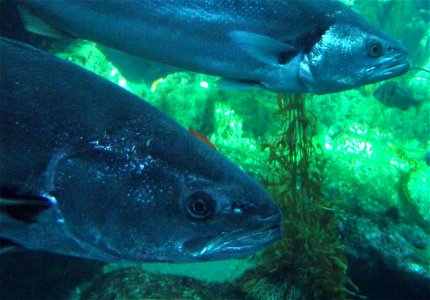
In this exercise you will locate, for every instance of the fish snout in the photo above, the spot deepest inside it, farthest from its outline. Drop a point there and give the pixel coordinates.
(267, 222)
(269, 214)
(394, 63)
(398, 53)
(398, 48)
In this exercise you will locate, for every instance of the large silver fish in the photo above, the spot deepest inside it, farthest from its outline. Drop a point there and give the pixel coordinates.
(317, 46)
(88, 169)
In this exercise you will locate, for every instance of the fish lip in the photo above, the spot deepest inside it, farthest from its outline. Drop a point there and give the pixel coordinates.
(395, 70)
(389, 68)
(240, 243)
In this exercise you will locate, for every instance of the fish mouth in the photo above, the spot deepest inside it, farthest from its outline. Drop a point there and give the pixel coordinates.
(389, 68)
(237, 244)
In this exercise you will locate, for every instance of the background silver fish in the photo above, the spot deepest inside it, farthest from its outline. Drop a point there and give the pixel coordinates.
(284, 46)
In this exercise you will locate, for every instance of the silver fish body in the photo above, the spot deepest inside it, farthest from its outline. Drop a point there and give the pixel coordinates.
(282, 45)
(88, 169)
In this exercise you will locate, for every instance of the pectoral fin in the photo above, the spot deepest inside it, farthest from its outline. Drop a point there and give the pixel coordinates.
(264, 48)
(24, 208)
(37, 25)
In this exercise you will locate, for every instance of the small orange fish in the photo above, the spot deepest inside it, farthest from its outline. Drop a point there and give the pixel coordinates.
(203, 138)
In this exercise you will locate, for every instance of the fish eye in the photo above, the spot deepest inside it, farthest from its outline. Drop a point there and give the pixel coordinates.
(200, 206)
(375, 49)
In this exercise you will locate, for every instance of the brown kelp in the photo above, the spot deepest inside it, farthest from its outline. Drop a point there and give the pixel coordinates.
(309, 261)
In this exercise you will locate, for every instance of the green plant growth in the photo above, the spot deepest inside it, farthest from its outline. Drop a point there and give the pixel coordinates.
(310, 256)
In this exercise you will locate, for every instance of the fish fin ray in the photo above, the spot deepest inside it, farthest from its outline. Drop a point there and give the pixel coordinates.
(35, 24)
(264, 48)
(24, 208)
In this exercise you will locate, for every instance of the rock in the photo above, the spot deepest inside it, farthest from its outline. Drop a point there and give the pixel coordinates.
(387, 259)
(134, 283)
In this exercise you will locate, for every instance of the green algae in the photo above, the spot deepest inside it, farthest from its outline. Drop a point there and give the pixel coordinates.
(87, 55)
(188, 98)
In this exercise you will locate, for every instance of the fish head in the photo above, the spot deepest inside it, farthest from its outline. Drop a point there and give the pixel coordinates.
(351, 54)
(195, 218)
(224, 221)
(192, 206)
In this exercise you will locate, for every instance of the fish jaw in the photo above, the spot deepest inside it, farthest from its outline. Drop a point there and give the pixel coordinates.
(237, 244)
(389, 68)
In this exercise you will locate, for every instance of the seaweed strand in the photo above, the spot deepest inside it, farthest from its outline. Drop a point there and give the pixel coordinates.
(309, 258)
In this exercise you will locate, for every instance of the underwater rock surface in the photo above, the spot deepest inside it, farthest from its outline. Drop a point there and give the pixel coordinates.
(387, 259)
(134, 283)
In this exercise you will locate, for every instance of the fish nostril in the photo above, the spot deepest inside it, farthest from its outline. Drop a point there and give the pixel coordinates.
(400, 51)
